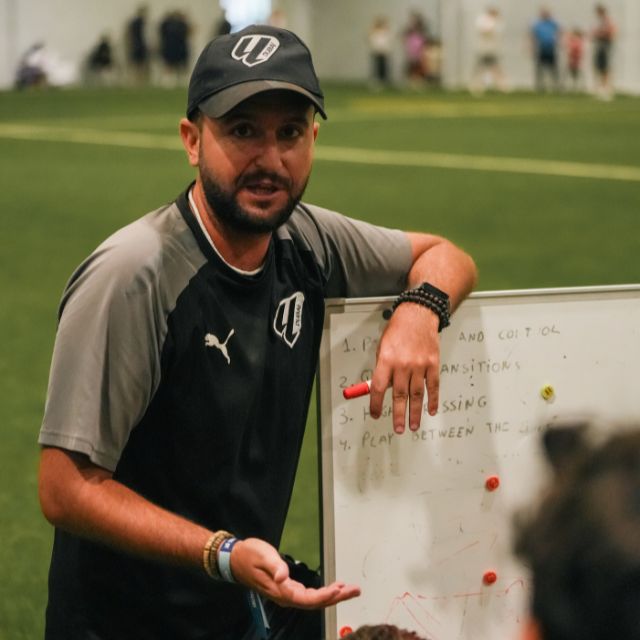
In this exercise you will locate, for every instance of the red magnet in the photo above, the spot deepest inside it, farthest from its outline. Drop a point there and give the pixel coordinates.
(489, 577)
(345, 631)
(492, 483)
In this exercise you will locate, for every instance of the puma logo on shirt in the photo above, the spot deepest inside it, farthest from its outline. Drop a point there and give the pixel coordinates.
(213, 341)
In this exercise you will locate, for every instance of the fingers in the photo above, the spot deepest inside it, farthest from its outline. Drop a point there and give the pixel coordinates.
(408, 389)
(295, 594)
(412, 399)
(416, 397)
(407, 359)
(258, 565)
(281, 572)
(409, 393)
(379, 383)
(399, 396)
(339, 592)
(433, 388)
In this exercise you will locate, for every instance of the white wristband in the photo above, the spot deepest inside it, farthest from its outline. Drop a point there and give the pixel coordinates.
(224, 559)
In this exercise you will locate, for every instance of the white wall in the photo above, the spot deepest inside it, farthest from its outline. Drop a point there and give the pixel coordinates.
(459, 17)
(335, 31)
(8, 58)
(628, 62)
(299, 17)
(70, 28)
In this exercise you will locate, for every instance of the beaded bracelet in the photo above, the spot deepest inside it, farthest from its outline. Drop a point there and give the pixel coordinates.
(430, 297)
(210, 553)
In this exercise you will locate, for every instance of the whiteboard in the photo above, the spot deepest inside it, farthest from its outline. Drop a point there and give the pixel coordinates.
(410, 518)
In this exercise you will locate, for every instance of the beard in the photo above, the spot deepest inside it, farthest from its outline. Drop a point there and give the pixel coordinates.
(225, 206)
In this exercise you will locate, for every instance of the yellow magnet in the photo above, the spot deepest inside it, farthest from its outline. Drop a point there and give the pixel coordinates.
(547, 392)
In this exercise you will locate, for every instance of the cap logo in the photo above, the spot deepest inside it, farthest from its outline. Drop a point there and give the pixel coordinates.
(255, 49)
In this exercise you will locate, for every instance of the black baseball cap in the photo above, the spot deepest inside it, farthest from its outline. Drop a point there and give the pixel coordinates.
(234, 67)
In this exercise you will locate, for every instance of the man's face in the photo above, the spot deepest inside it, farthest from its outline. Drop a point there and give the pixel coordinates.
(255, 161)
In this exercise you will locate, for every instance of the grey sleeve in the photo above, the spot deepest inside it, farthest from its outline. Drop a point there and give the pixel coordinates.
(359, 259)
(106, 360)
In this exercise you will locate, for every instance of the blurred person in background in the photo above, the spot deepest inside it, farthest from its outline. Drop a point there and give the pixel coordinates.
(434, 57)
(380, 41)
(31, 71)
(415, 38)
(184, 362)
(100, 63)
(487, 72)
(223, 26)
(137, 48)
(545, 37)
(382, 632)
(603, 36)
(574, 45)
(582, 542)
(174, 47)
(40, 66)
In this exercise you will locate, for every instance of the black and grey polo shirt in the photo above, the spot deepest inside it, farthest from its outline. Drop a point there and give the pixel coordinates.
(191, 383)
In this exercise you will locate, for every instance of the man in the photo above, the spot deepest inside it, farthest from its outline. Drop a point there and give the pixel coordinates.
(184, 361)
(583, 540)
(545, 35)
(603, 36)
(137, 48)
(489, 28)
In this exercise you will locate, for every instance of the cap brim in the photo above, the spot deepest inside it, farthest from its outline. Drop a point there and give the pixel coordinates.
(222, 102)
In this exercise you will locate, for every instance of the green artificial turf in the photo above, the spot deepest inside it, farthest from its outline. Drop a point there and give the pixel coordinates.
(61, 198)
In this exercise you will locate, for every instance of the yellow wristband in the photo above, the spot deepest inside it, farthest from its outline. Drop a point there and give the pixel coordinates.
(210, 553)
(205, 555)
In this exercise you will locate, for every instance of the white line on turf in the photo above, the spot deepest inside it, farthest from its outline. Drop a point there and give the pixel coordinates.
(418, 159)
(479, 163)
(90, 136)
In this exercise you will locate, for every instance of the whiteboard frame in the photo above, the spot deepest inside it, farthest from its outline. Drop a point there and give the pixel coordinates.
(325, 430)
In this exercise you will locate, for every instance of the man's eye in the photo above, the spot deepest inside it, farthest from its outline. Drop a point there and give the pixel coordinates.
(290, 131)
(243, 130)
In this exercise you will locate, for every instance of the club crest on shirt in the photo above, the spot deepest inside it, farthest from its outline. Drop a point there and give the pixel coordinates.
(287, 322)
(255, 49)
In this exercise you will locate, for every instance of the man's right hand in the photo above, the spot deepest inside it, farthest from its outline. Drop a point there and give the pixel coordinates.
(258, 565)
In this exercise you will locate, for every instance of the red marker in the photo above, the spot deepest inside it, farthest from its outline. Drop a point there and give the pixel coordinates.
(357, 390)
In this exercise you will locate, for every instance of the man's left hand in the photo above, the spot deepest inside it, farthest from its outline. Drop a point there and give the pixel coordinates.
(408, 356)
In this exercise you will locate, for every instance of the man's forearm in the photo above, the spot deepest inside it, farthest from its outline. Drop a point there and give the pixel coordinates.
(442, 264)
(83, 499)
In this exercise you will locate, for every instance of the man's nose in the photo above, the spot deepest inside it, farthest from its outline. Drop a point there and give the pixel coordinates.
(269, 155)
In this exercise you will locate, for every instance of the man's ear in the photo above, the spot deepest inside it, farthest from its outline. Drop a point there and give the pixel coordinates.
(316, 128)
(190, 134)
